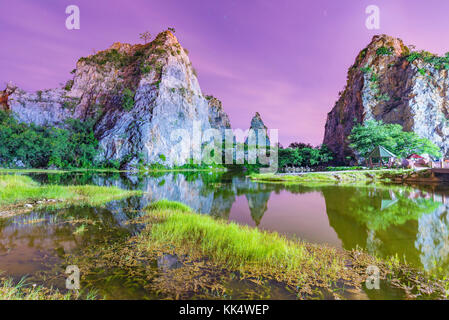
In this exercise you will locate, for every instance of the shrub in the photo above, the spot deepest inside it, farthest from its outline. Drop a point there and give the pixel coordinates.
(128, 99)
(364, 138)
(305, 156)
(366, 69)
(68, 86)
(39, 147)
(384, 51)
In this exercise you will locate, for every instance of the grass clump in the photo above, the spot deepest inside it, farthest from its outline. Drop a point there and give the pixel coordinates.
(20, 189)
(168, 205)
(227, 243)
(238, 248)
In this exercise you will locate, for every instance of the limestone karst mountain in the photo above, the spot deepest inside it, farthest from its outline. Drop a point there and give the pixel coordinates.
(137, 95)
(391, 83)
(260, 129)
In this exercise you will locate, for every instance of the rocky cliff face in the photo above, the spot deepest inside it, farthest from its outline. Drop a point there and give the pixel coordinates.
(388, 82)
(138, 95)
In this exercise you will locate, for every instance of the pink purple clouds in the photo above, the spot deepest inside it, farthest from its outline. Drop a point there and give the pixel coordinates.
(284, 59)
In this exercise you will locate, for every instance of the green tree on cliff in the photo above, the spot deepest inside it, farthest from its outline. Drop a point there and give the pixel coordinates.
(373, 133)
(145, 36)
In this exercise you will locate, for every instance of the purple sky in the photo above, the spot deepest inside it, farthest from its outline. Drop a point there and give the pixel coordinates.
(286, 59)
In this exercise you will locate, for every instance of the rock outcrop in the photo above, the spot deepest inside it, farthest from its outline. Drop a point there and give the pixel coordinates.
(137, 94)
(218, 118)
(259, 128)
(388, 82)
(4, 95)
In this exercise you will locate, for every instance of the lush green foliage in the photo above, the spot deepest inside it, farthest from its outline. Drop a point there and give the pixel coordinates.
(128, 99)
(40, 147)
(190, 165)
(75, 146)
(436, 61)
(384, 51)
(300, 145)
(366, 69)
(305, 156)
(364, 138)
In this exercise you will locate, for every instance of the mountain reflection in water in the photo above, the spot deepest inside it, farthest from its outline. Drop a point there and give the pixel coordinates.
(410, 222)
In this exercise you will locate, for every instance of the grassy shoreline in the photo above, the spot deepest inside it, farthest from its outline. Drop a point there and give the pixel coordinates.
(212, 253)
(59, 171)
(390, 175)
(144, 171)
(19, 194)
(269, 255)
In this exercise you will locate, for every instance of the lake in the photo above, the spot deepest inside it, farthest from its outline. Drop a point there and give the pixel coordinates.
(410, 222)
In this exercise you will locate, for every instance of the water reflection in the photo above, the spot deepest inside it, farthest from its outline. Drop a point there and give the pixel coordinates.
(411, 222)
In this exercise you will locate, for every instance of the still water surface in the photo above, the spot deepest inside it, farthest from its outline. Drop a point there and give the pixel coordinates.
(408, 221)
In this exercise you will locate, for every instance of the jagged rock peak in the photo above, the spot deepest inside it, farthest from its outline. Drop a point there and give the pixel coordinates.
(257, 125)
(166, 38)
(391, 83)
(257, 122)
(385, 41)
